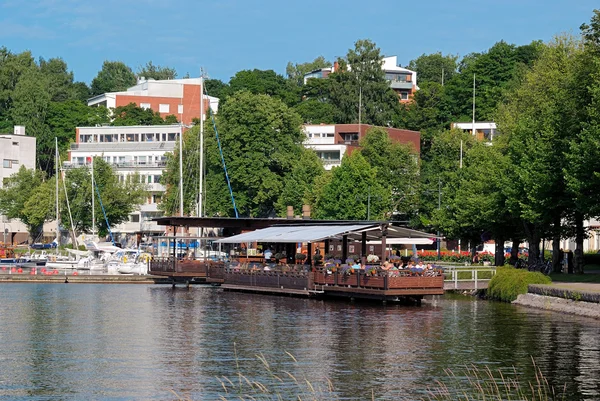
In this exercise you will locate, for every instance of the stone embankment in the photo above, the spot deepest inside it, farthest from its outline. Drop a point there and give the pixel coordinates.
(574, 298)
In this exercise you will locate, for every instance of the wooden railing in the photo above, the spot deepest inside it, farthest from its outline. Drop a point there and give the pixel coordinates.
(380, 280)
(299, 280)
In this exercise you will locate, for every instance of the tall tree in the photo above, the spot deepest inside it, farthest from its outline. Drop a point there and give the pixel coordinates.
(261, 140)
(361, 81)
(353, 193)
(119, 199)
(434, 67)
(134, 115)
(59, 78)
(266, 82)
(114, 76)
(12, 67)
(397, 169)
(156, 72)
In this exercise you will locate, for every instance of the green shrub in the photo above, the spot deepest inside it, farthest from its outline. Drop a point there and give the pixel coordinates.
(509, 282)
(591, 258)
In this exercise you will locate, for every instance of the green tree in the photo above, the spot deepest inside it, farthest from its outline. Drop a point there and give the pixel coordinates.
(397, 169)
(296, 72)
(40, 206)
(119, 199)
(217, 88)
(12, 67)
(134, 115)
(361, 78)
(353, 193)
(16, 192)
(59, 78)
(300, 182)
(266, 82)
(151, 71)
(538, 120)
(261, 140)
(434, 67)
(114, 76)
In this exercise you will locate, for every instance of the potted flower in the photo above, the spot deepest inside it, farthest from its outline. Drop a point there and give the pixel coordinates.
(371, 270)
(300, 258)
(317, 258)
(372, 258)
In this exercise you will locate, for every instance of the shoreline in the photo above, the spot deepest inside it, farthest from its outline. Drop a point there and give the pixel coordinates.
(573, 299)
(82, 279)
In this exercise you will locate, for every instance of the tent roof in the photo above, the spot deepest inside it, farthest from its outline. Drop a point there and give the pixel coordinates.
(293, 234)
(313, 233)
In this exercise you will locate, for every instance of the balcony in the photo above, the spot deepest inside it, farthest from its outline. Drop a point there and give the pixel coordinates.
(118, 165)
(400, 85)
(122, 146)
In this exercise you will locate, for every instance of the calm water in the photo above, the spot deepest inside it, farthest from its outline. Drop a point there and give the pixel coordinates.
(123, 342)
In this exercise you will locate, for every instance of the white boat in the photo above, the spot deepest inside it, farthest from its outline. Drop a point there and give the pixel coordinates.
(128, 261)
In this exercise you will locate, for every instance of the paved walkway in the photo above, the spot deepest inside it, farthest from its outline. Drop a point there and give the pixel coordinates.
(588, 287)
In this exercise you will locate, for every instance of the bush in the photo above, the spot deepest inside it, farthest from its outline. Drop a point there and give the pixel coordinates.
(509, 282)
(591, 258)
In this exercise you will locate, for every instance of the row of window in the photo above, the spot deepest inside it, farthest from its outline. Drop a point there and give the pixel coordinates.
(321, 135)
(162, 107)
(125, 161)
(145, 137)
(143, 178)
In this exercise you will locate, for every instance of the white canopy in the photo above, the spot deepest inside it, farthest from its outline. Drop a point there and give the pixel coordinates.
(315, 233)
(404, 241)
(294, 234)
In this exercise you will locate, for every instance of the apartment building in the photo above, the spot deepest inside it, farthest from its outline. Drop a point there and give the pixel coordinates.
(402, 80)
(332, 141)
(130, 150)
(16, 150)
(180, 97)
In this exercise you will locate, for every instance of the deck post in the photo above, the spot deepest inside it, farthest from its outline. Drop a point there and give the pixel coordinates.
(386, 285)
(344, 248)
(310, 255)
(475, 277)
(363, 245)
(174, 249)
(383, 241)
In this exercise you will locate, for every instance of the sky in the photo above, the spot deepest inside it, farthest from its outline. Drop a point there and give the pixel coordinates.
(226, 36)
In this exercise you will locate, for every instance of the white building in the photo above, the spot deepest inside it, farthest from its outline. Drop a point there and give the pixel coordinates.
(179, 97)
(130, 150)
(16, 150)
(483, 130)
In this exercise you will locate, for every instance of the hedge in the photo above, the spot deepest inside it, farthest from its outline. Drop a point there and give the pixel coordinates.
(509, 282)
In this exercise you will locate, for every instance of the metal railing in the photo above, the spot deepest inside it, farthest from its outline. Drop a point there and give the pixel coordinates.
(468, 277)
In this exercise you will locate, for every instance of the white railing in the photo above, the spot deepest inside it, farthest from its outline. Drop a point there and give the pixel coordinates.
(467, 277)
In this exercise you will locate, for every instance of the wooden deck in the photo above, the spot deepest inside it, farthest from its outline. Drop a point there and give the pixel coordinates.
(298, 281)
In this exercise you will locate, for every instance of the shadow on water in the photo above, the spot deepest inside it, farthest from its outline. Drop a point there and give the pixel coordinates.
(142, 342)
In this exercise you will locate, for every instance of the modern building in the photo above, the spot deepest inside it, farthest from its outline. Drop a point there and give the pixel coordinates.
(402, 80)
(180, 97)
(16, 150)
(130, 150)
(332, 141)
(484, 131)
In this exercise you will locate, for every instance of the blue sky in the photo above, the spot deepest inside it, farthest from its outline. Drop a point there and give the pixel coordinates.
(225, 36)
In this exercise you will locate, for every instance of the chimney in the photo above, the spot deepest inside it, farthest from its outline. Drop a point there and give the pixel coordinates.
(306, 212)
(290, 212)
(19, 130)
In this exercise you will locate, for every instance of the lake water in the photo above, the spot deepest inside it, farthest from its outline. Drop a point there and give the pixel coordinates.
(138, 342)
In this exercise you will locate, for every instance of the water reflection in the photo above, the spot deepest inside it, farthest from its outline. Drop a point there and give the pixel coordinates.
(143, 342)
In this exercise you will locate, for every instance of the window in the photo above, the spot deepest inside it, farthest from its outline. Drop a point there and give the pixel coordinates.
(7, 163)
(155, 198)
(172, 137)
(145, 106)
(404, 95)
(157, 179)
(163, 108)
(15, 143)
(134, 218)
(330, 135)
(180, 109)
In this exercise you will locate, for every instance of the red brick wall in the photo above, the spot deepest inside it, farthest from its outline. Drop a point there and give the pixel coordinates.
(398, 135)
(190, 102)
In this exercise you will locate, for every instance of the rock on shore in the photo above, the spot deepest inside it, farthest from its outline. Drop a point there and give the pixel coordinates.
(579, 308)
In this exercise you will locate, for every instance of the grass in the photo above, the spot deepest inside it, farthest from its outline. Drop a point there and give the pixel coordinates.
(484, 384)
(576, 278)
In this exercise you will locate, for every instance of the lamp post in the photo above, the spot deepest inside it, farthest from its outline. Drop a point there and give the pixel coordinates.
(438, 240)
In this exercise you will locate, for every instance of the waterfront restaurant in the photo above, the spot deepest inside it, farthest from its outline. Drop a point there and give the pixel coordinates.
(247, 268)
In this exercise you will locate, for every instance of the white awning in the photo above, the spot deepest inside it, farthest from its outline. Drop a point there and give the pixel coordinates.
(294, 234)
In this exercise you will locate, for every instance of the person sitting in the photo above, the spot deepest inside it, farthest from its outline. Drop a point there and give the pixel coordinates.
(386, 265)
(267, 254)
(266, 268)
(356, 265)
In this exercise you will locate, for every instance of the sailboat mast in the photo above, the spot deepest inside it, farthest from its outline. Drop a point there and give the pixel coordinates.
(56, 161)
(201, 166)
(180, 171)
(93, 203)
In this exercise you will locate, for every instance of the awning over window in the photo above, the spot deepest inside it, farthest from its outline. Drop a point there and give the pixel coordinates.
(294, 234)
